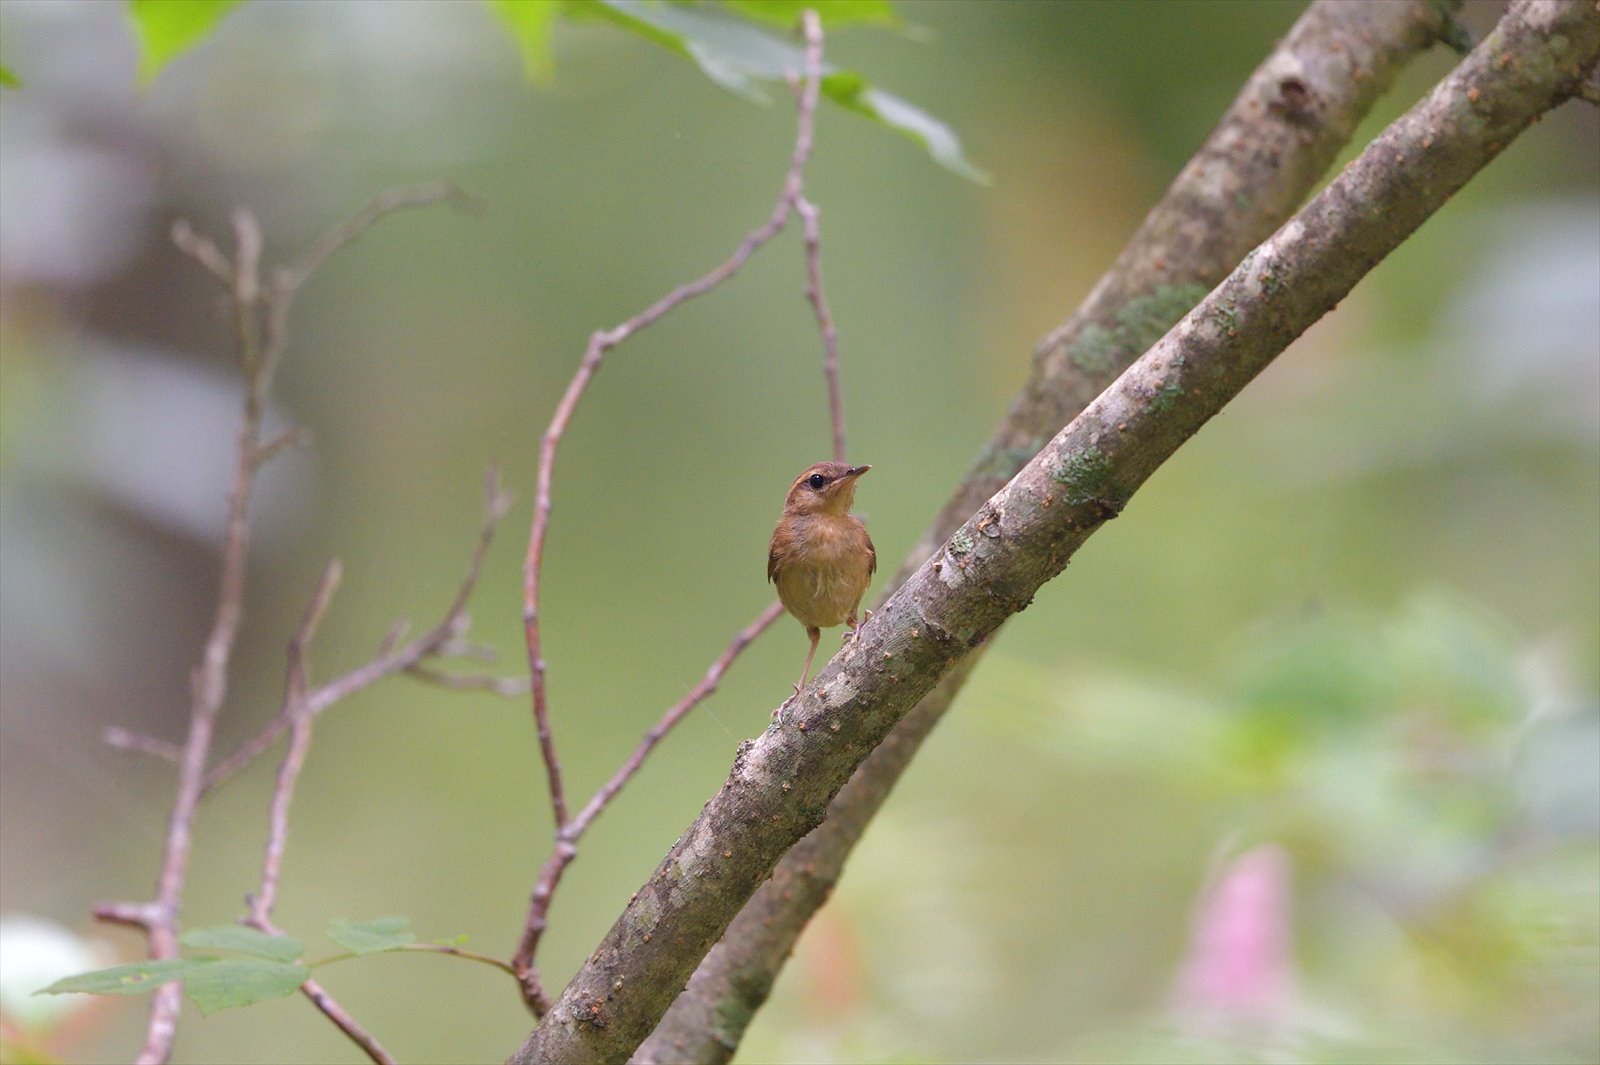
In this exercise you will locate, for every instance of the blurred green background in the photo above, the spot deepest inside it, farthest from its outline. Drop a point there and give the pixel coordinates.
(1327, 688)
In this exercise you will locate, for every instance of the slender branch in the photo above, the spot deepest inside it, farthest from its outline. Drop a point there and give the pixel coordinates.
(203, 250)
(568, 829)
(260, 314)
(810, 216)
(330, 1008)
(209, 683)
(299, 715)
(1246, 180)
(140, 915)
(474, 682)
(429, 948)
(391, 659)
(293, 437)
(463, 648)
(384, 203)
(781, 784)
(124, 740)
(702, 691)
(566, 847)
(600, 343)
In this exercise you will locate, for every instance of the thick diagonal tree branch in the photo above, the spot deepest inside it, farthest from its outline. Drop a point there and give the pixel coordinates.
(781, 784)
(1293, 115)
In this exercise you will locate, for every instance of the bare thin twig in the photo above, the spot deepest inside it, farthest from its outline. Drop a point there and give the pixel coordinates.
(569, 829)
(810, 216)
(383, 204)
(391, 660)
(299, 715)
(330, 1008)
(295, 436)
(260, 315)
(478, 652)
(203, 250)
(566, 848)
(473, 682)
(210, 677)
(124, 740)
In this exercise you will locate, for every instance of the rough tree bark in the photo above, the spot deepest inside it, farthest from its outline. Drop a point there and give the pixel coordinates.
(1294, 114)
(781, 784)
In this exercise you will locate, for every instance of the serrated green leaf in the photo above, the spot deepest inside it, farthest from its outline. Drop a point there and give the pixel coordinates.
(244, 941)
(132, 979)
(740, 57)
(834, 12)
(222, 984)
(167, 28)
(371, 937)
(8, 79)
(529, 22)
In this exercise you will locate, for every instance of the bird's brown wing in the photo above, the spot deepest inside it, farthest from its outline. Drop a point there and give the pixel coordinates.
(777, 551)
(872, 559)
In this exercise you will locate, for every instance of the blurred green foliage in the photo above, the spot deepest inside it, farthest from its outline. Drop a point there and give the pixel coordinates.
(1355, 617)
(167, 28)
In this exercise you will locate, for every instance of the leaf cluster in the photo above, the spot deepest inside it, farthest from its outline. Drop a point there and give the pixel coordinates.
(261, 966)
(729, 42)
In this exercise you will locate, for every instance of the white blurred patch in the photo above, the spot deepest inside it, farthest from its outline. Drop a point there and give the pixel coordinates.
(70, 212)
(158, 435)
(76, 189)
(34, 953)
(1528, 321)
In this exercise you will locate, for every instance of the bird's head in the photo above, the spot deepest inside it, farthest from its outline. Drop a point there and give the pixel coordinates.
(826, 488)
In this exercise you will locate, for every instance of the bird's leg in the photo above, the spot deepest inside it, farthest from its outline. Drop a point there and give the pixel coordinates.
(816, 635)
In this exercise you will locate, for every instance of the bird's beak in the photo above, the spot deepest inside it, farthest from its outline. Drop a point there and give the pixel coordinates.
(856, 471)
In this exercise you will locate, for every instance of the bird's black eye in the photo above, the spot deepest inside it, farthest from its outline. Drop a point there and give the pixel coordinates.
(816, 481)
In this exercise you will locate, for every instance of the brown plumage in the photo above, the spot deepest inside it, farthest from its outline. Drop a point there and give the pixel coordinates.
(821, 557)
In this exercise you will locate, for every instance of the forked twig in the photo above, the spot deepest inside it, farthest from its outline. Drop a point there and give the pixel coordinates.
(569, 829)
(391, 658)
(566, 848)
(260, 314)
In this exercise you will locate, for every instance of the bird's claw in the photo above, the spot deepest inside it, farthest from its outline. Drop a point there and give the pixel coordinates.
(777, 715)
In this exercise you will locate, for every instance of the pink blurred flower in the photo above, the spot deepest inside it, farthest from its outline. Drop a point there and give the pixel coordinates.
(1238, 971)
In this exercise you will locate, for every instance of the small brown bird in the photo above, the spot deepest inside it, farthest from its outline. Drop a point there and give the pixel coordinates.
(821, 557)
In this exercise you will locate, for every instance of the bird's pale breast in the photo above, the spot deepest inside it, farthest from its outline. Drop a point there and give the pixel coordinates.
(824, 570)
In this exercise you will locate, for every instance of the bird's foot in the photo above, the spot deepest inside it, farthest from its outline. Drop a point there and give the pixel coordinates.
(851, 632)
(777, 715)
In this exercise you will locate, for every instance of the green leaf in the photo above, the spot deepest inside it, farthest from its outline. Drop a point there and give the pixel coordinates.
(132, 979)
(166, 28)
(371, 937)
(529, 21)
(8, 79)
(220, 984)
(244, 941)
(786, 13)
(851, 91)
(741, 57)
